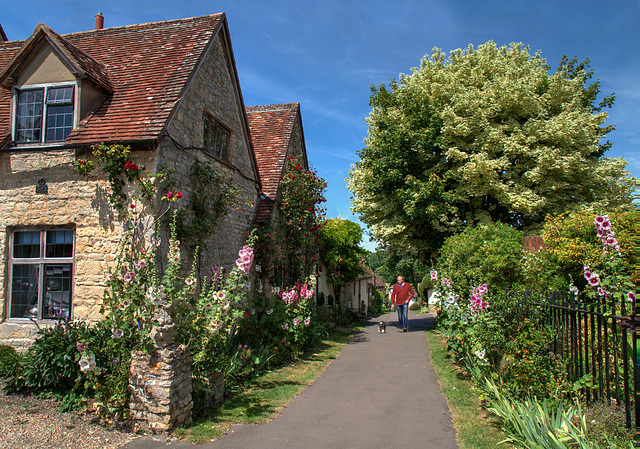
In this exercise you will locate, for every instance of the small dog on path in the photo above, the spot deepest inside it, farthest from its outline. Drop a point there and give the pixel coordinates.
(382, 327)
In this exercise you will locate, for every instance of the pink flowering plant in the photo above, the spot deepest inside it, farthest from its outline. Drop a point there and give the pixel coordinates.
(457, 320)
(283, 322)
(610, 275)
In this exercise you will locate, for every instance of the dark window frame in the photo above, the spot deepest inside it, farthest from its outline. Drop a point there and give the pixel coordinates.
(216, 137)
(44, 114)
(41, 273)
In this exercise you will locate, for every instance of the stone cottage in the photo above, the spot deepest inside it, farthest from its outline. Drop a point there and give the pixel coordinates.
(170, 91)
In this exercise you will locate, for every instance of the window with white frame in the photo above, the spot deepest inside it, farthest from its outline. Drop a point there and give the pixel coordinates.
(216, 138)
(41, 272)
(44, 114)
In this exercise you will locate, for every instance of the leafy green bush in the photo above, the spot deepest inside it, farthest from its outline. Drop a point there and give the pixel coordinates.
(425, 285)
(510, 337)
(490, 253)
(377, 304)
(52, 365)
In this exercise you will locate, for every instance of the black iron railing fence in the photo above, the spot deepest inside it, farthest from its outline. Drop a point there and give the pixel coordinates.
(593, 335)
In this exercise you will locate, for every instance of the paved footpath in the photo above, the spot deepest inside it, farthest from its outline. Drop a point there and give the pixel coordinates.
(380, 392)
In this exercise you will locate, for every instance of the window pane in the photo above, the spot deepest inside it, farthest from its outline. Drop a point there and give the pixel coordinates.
(218, 148)
(216, 138)
(24, 291)
(225, 146)
(60, 95)
(26, 244)
(59, 122)
(29, 119)
(57, 291)
(59, 244)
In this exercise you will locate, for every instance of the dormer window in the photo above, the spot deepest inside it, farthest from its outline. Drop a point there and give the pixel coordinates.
(44, 114)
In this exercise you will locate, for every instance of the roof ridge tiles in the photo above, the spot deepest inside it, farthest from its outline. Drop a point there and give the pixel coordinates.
(293, 107)
(133, 59)
(148, 24)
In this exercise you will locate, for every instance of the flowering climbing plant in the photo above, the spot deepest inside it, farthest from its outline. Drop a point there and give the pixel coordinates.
(121, 171)
(288, 246)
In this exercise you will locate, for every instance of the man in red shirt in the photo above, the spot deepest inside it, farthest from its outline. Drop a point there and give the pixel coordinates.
(401, 294)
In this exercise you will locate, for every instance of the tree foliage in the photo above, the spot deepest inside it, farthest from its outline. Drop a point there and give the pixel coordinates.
(389, 263)
(340, 250)
(487, 134)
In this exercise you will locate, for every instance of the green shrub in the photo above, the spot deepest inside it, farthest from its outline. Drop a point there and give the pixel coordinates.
(510, 338)
(490, 254)
(51, 363)
(424, 286)
(377, 305)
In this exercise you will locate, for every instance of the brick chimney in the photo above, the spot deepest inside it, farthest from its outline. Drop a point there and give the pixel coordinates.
(99, 21)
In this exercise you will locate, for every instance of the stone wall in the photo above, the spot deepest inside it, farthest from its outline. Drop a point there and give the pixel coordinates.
(71, 201)
(214, 90)
(160, 387)
(296, 144)
(215, 390)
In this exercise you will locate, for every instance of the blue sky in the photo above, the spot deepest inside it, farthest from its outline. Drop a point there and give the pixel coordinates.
(325, 54)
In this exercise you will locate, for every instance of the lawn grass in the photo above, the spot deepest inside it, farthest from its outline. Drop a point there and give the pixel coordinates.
(476, 428)
(268, 394)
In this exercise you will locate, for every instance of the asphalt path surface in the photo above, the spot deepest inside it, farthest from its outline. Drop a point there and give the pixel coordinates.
(380, 392)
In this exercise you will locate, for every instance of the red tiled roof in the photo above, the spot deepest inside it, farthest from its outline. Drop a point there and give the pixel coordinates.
(271, 127)
(148, 66)
(534, 243)
(81, 63)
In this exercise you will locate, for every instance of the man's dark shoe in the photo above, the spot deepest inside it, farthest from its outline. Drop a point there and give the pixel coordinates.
(404, 329)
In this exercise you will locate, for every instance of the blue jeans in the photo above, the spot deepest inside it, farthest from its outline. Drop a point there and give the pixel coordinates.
(403, 317)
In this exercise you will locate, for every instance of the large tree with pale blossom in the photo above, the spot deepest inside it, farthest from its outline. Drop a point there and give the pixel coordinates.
(487, 134)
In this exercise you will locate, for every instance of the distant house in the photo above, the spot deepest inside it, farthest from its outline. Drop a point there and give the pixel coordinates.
(355, 295)
(170, 90)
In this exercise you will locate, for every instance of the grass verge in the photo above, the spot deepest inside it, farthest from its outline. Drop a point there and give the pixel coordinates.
(268, 394)
(476, 428)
